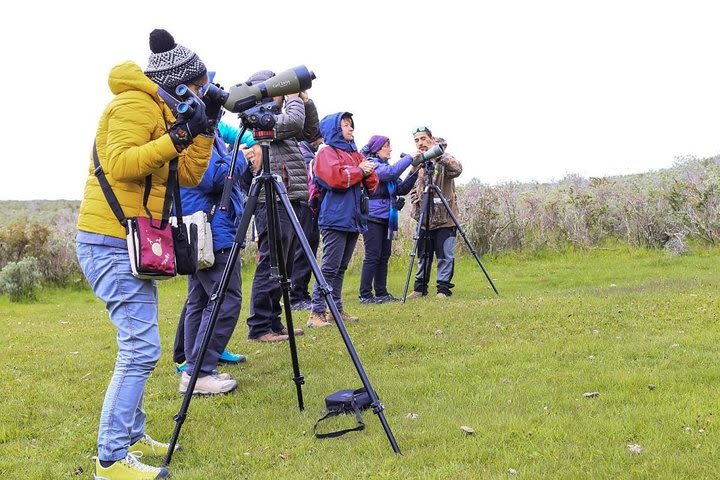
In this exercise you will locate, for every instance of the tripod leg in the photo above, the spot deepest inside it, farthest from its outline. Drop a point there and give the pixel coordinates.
(217, 298)
(326, 292)
(462, 234)
(422, 219)
(278, 189)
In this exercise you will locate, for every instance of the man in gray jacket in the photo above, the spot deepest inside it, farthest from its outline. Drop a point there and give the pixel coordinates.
(298, 120)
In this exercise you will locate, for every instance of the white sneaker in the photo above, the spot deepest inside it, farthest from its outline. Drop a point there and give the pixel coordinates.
(208, 385)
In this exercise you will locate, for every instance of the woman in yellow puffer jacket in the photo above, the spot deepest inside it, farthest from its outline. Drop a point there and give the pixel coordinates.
(137, 136)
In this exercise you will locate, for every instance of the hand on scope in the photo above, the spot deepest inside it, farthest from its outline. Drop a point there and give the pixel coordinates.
(367, 167)
(189, 125)
(304, 96)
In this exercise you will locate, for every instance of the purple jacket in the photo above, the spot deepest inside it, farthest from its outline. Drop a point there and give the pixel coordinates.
(382, 199)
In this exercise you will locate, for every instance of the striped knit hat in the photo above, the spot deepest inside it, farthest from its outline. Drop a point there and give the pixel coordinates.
(171, 64)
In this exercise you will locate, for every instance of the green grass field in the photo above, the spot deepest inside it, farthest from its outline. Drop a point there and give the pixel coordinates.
(639, 327)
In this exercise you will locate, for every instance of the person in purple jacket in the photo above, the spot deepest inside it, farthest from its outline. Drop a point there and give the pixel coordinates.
(382, 218)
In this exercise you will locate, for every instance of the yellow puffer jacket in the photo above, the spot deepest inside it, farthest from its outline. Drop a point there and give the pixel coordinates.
(132, 143)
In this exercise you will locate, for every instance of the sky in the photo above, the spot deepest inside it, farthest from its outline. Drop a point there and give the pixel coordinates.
(521, 90)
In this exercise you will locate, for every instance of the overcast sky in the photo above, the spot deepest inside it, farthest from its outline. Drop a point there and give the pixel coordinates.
(521, 90)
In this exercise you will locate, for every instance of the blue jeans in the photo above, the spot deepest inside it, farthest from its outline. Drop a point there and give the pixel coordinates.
(133, 308)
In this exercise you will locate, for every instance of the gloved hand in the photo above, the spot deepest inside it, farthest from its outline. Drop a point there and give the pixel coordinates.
(400, 203)
(214, 111)
(189, 125)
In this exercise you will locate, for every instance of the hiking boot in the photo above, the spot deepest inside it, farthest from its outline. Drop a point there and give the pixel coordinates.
(344, 316)
(317, 320)
(208, 385)
(415, 294)
(386, 299)
(180, 367)
(129, 468)
(231, 358)
(270, 337)
(441, 295)
(368, 300)
(296, 331)
(151, 448)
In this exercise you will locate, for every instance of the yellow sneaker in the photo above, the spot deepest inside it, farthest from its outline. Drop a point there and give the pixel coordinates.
(151, 448)
(129, 468)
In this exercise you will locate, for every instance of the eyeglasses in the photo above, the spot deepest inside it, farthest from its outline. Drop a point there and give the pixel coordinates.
(422, 130)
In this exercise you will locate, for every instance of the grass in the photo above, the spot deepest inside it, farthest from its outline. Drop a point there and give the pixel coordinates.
(637, 326)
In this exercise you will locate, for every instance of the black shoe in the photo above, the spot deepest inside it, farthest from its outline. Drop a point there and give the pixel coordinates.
(301, 305)
(386, 299)
(368, 300)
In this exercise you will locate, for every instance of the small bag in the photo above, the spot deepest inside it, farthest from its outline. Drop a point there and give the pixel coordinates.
(200, 223)
(341, 402)
(185, 237)
(150, 244)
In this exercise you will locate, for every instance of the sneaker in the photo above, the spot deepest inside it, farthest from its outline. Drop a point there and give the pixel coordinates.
(232, 358)
(317, 320)
(368, 300)
(129, 468)
(415, 294)
(344, 316)
(386, 299)
(271, 337)
(151, 448)
(301, 305)
(180, 367)
(222, 376)
(441, 295)
(208, 385)
(296, 331)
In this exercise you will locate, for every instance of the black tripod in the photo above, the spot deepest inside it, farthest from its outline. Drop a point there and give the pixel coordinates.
(423, 230)
(274, 188)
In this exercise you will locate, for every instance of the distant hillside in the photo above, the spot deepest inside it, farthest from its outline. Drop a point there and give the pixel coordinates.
(44, 211)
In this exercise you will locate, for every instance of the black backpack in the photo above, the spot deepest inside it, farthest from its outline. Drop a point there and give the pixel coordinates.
(342, 402)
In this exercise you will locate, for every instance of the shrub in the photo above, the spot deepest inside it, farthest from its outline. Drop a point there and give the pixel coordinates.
(20, 280)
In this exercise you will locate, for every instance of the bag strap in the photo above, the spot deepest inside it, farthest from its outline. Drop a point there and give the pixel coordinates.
(107, 190)
(178, 200)
(337, 433)
(113, 201)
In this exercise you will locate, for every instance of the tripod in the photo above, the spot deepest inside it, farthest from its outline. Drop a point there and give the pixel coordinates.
(423, 230)
(274, 187)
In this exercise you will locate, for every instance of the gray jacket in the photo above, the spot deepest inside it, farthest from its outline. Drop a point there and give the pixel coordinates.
(299, 121)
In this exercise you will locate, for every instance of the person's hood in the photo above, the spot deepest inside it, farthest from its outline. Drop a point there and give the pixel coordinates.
(332, 133)
(129, 76)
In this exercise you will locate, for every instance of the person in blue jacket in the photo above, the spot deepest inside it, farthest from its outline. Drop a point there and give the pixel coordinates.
(385, 203)
(198, 306)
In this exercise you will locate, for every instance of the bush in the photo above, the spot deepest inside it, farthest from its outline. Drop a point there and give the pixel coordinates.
(20, 280)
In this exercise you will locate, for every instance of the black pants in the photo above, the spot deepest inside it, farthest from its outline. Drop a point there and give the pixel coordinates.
(266, 292)
(441, 242)
(375, 264)
(301, 275)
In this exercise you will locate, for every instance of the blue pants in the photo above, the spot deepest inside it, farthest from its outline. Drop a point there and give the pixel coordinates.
(198, 308)
(375, 264)
(338, 247)
(133, 308)
(442, 244)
